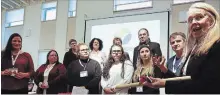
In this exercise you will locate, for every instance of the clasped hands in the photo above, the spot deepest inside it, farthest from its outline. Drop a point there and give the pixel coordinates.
(43, 85)
(18, 75)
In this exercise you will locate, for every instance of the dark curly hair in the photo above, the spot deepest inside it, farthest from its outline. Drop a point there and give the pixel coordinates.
(100, 43)
(111, 61)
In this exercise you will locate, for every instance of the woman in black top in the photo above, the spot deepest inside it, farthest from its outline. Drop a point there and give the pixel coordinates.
(71, 55)
(84, 72)
(203, 50)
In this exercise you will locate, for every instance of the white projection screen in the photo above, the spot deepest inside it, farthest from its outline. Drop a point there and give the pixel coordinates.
(126, 27)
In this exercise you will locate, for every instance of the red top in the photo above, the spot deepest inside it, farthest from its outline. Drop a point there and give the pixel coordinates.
(24, 63)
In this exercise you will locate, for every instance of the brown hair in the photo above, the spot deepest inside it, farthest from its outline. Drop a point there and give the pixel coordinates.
(117, 39)
(173, 35)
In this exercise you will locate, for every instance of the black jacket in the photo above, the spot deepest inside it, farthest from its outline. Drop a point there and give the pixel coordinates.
(69, 57)
(204, 71)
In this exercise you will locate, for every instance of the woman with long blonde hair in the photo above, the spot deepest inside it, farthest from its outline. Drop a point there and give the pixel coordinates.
(202, 61)
(145, 67)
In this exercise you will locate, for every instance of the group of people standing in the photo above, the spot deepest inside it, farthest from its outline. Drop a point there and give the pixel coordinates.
(197, 55)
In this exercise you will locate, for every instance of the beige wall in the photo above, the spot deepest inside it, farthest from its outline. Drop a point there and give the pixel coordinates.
(70, 30)
(47, 35)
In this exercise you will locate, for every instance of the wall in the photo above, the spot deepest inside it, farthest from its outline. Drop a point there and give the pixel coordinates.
(71, 27)
(61, 28)
(55, 34)
(31, 31)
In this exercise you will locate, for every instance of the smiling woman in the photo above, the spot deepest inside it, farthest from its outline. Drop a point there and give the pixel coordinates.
(96, 46)
(202, 54)
(16, 67)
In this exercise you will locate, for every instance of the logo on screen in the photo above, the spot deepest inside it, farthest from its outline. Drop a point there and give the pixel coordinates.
(125, 35)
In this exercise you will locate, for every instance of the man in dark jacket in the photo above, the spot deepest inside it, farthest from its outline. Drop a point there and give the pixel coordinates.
(143, 36)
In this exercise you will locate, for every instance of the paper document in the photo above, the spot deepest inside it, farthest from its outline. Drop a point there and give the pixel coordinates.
(79, 90)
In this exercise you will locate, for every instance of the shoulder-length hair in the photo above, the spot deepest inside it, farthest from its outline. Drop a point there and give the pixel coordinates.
(100, 43)
(117, 39)
(213, 34)
(9, 47)
(48, 54)
(111, 61)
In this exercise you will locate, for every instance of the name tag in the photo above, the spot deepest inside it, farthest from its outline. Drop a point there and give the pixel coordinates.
(83, 74)
(139, 89)
(13, 70)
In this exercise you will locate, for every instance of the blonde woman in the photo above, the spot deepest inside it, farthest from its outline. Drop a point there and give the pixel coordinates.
(145, 67)
(202, 61)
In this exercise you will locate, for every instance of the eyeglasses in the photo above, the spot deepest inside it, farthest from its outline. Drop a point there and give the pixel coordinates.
(84, 50)
(116, 51)
(73, 43)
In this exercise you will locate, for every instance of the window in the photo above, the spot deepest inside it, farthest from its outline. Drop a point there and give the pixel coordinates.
(49, 11)
(14, 17)
(72, 8)
(42, 57)
(131, 4)
(183, 1)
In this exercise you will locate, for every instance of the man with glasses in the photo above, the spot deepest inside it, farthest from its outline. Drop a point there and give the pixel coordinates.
(71, 55)
(84, 72)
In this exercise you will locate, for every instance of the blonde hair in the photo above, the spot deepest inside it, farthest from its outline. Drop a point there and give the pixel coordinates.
(213, 34)
(147, 69)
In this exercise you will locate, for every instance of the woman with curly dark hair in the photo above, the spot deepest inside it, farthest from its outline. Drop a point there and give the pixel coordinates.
(117, 70)
(96, 46)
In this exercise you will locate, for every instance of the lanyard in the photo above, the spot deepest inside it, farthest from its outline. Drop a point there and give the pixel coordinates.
(187, 61)
(174, 61)
(14, 60)
(84, 67)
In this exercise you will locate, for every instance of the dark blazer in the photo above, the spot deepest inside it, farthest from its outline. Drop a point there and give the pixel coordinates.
(204, 71)
(155, 48)
(56, 79)
(170, 66)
